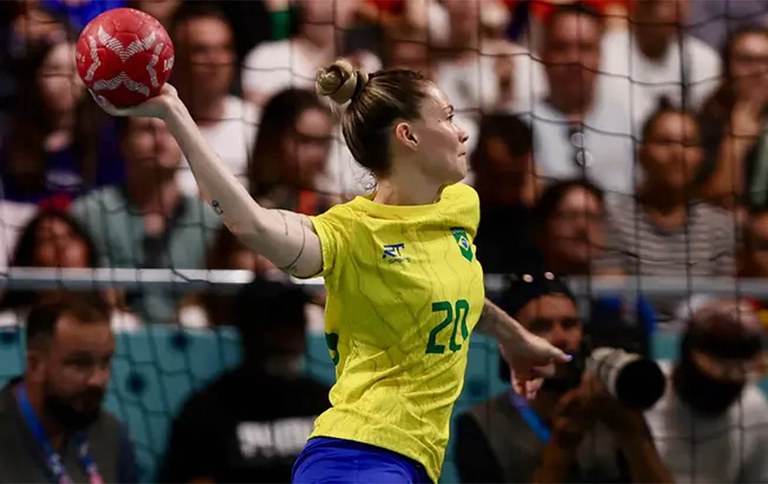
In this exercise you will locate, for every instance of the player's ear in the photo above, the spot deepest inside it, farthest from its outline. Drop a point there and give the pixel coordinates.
(404, 133)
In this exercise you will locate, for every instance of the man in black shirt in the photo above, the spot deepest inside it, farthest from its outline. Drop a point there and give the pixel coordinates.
(251, 423)
(52, 426)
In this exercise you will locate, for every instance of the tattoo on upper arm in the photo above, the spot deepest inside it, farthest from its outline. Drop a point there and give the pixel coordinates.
(285, 221)
(489, 316)
(291, 268)
(217, 207)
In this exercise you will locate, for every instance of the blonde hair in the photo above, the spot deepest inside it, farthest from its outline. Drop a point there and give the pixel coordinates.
(340, 82)
(375, 102)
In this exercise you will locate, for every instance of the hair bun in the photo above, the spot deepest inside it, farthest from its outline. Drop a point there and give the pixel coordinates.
(340, 81)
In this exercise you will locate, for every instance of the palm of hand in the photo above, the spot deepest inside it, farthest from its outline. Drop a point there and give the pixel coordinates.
(531, 358)
(156, 107)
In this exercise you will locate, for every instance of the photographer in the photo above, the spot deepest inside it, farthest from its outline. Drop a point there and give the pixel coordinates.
(573, 431)
(712, 423)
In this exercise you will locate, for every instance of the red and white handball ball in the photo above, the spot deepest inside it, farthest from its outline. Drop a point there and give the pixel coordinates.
(124, 55)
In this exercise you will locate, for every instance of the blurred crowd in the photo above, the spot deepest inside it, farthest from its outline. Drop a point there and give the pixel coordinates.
(609, 138)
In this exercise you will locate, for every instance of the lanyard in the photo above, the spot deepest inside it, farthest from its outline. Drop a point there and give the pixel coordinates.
(529, 415)
(53, 459)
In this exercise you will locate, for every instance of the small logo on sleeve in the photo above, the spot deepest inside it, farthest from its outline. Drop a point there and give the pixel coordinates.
(462, 240)
(394, 253)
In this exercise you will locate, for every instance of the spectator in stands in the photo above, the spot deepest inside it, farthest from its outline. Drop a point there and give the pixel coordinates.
(568, 225)
(505, 183)
(664, 231)
(404, 52)
(752, 261)
(290, 154)
(79, 12)
(396, 15)
(614, 12)
(52, 426)
(33, 25)
(712, 423)
(203, 74)
(58, 145)
(25, 26)
(162, 10)
(320, 39)
(480, 73)
(733, 121)
(274, 66)
(252, 423)
(714, 20)
(571, 431)
(148, 222)
(654, 58)
(54, 239)
(753, 253)
(211, 308)
(578, 132)
(254, 23)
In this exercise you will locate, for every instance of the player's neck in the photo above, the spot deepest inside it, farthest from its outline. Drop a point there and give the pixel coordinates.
(574, 110)
(650, 44)
(412, 189)
(663, 200)
(205, 110)
(319, 38)
(159, 196)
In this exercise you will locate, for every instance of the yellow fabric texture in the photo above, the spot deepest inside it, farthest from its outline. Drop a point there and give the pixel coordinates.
(404, 292)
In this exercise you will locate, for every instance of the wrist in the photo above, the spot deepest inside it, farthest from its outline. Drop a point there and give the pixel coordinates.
(172, 108)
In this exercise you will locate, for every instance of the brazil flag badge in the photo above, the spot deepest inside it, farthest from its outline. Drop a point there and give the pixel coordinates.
(462, 240)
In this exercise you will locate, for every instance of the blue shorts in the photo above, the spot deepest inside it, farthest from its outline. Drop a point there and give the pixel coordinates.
(328, 460)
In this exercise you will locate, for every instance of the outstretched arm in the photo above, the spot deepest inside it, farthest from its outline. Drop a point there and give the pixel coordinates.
(529, 356)
(286, 238)
(495, 322)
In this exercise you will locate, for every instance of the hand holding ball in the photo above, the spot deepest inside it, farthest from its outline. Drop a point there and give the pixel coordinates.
(125, 56)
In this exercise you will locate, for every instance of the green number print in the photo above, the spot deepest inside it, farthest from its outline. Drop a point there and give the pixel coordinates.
(332, 340)
(461, 311)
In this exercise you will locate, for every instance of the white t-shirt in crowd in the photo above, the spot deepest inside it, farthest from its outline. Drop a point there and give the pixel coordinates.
(725, 449)
(232, 139)
(14, 217)
(472, 87)
(120, 321)
(608, 150)
(343, 175)
(273, 66)
(638, 82)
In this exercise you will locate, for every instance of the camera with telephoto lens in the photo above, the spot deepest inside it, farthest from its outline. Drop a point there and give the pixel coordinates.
(632, 379)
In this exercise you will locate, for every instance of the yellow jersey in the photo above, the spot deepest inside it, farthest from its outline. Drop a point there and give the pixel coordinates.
(404, 292)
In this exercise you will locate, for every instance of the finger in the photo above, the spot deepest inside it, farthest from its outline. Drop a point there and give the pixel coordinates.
(518, 386)
(532, 387)
(559, 356)
(545, 371)
(102, 102)
(106, 105)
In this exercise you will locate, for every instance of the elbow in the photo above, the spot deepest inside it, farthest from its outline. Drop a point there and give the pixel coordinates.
(247, 231)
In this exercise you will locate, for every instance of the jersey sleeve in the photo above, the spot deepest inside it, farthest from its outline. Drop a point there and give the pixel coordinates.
(332, 229)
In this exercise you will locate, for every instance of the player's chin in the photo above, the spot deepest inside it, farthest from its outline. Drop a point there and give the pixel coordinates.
(459, 171)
